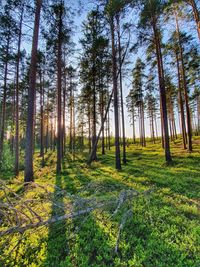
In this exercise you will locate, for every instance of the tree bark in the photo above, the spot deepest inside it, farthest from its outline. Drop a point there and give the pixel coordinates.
(188, 116)
(162, 92)
(28, 175)
(4, 101)
(115, 91)
(17, 96)
(121, 90)
(41, 119)
(182, 117)
(71, 116)
(59, 94)
(196, 15)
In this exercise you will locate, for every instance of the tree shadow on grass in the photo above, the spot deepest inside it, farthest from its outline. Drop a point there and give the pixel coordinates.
(58, 236)
(57, 243)
(91, 245)
(143, 241)
(62, 245)
(156, 235)
(178, 177)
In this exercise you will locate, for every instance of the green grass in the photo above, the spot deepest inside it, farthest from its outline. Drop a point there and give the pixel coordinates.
(163, 229)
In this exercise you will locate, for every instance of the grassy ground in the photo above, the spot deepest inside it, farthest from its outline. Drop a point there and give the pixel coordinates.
(162, 230)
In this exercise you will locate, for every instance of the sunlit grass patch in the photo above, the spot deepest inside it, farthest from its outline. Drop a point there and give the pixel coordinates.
(162, 228)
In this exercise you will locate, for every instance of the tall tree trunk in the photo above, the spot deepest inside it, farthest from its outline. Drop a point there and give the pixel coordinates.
(74, 129)
(41, 119)
(17, 96)
(196, 15)
(188, 117)
(162, 127)
(13, 111)
(59, 93)
(162, 92)
(47, 124)
(182, 117)
(71, 117)
(115, 91)
(140, 123)
(121, 90)
(102, 122)
(143, 127)
(64, 109)
(94, 134)
(152, 125)
(28, 175)
(51, 135)
(2, 133)
(133, 123)
(156, 127)
(89, 129)
(109, 143)
(198, 115)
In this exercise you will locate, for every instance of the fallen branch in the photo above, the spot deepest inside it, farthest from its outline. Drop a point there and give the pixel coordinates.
(18, 215)
(49, 221)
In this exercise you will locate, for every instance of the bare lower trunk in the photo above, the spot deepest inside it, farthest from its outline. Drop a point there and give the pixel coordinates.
(17, 97)
(41, 120)
(115, 91)
(94, 118)
(4, 102)
(28, 175)
(188, 117)
(162, 93)
(121, 91)
(59, 94)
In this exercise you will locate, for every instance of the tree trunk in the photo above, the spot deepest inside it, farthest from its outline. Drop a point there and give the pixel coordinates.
(59, 94)
(74, 129)
(133, 123)
(4, 101)
(71, 117)
(47, 124)
(182, 117)
(188, 117)
(198, 115)
(64, 109)
(152, 125)
(102, 122)
(115, 91)
(162, 92)
(98, 136)
(89, 129)
(94, 134)
(121, 90)
(109, 144)
(196, 15)
(17, 96)
(41, 120)
(143, 127)
(28, 175)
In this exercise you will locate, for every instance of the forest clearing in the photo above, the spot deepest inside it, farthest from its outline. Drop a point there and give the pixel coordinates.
(162, 227)
(100, 133)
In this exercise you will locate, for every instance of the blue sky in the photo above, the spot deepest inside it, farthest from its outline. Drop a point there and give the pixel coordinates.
(81, 8)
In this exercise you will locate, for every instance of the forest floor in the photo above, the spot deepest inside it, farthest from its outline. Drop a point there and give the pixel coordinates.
(161, 229)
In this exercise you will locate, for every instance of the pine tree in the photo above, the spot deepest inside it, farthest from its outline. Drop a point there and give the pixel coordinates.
(138, 95)
(28, 175)
(7, 34)
(93, 72)
(149, 21)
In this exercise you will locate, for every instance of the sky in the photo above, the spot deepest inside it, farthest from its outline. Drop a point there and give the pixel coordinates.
(86, 6)
(81, 8)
